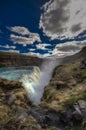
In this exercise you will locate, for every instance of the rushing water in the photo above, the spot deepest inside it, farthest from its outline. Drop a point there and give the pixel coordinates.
(33, 79)
(29, 76)
(15, 73)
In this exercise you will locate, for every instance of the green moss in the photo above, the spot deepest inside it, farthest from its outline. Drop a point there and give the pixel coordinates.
(72, 99)
(10, 119)
(19, 127)
(81, 74)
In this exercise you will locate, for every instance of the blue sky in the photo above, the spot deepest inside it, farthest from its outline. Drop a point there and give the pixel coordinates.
(43, 27)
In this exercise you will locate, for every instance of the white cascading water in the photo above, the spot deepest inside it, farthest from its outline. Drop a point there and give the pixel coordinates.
(33, 79)
(31, 83)
(34, 84)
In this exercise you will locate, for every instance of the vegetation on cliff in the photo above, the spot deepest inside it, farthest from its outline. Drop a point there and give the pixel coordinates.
(63, 105)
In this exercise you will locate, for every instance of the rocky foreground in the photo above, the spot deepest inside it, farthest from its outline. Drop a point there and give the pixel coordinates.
(63, 105)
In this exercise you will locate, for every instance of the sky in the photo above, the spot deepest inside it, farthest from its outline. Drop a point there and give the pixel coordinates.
(43, 27)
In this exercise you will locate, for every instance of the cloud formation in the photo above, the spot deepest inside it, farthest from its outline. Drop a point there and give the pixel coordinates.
(15, 51)
(37, 54)
(23, 36)
(8, 46)
(19, 30)
(63, 18)
(42, 46)
(68, 48)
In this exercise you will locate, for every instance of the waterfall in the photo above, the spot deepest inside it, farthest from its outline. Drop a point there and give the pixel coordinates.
(34, 84)
(31, 84)
(33, 79)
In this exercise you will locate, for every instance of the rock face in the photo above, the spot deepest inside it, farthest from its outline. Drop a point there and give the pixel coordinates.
(77, 57)
(14, 59)
(9, 85)
(63, 105)
(68, 80)
(66, 93)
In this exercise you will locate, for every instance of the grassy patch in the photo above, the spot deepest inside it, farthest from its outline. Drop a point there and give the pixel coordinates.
(72, 99)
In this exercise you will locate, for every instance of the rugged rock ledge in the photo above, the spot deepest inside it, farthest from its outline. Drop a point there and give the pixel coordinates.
(9, 85)
(14, 59)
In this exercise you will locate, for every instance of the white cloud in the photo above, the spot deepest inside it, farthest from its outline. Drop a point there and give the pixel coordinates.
(15, 51)
(62, 50)
(22, 39)
(19, 30)
(42, 46)
(37, 54)
(32, 54)
(63, 18)
(8, 46)
(31, 49)
(68, 48)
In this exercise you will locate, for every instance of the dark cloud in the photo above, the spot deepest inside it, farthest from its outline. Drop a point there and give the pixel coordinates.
(56, 17)
(63, 18)
(69, 48)
(76, 27)
(77, 12)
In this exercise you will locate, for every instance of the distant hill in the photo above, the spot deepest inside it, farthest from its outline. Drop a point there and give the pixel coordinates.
(78, 56)
(15, 59)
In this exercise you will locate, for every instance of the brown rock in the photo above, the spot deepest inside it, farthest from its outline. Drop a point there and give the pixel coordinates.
(9, 85)
(15, 59)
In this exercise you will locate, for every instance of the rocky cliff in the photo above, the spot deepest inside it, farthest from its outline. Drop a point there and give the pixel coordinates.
(66, 92)
(15, 59)
(77, 57)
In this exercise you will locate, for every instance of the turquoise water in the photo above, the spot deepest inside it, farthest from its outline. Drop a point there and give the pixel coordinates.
(28, 76)
(15, 73)
(33, 79)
